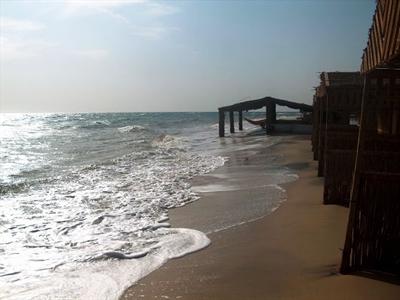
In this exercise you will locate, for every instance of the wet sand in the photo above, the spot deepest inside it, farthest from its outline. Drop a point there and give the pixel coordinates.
(292, 253)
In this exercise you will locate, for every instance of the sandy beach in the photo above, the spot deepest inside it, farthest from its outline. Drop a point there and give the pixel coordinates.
(292, 253)
(231, 149)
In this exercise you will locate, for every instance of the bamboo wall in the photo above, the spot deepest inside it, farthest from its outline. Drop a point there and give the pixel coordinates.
(341, 145)
(376, 223)
(383, 47)
(316, 125)
(373, 233)
(337, 100)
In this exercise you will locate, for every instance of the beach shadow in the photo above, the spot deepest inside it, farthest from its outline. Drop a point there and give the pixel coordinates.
(333, 270)
(326, 271)
(377, 275)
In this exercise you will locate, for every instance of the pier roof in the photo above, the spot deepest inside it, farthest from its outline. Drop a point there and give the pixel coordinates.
(260, 103)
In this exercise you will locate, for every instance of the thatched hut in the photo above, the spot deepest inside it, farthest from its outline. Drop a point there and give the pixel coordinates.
(373, 232)
(337, 106)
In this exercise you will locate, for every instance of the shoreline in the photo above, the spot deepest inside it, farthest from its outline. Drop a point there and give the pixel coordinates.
(292, 253)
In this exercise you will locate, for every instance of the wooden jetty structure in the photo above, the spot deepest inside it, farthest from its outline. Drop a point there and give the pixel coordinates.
(373, 232)
(337, 107)
(270, 104)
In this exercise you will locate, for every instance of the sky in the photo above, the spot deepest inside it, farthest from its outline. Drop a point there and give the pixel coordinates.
(140, 55)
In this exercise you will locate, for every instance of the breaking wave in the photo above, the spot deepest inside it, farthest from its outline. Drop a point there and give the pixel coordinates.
(96, 207)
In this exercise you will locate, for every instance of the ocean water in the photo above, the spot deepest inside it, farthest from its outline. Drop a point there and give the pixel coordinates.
(85, 198)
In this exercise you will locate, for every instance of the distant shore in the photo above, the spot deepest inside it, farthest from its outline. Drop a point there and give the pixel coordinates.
(292, 253)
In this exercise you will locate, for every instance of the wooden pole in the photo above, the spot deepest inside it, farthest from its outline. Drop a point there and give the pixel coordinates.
(231, 121)
(240, 120)
(266, 119)
(272, 112)
(321, 141)
(315, 127)
(345, 266)
(221, 123)
(271, 116)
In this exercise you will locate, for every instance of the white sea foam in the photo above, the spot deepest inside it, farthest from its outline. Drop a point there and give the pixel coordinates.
(119, 206)
(166, 141)
(131, 128)
(109, 278)
(210, 188)
(102, 122)
(277, 186)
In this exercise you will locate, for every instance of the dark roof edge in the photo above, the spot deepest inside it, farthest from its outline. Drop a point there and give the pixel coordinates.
(260, 103)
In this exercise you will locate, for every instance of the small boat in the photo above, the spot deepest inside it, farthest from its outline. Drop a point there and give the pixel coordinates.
(260, 122)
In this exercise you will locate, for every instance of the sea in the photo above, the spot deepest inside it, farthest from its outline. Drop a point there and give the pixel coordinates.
(85, 198)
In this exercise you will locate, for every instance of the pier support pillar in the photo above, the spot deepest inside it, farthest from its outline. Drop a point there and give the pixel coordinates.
(221, 123)
(231, 121)
(240, 120)
(270, 111)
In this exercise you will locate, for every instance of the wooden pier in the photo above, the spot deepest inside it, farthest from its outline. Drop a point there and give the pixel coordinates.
(269, 103)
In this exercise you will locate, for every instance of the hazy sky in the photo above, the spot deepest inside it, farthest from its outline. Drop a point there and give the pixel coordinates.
(138, 55)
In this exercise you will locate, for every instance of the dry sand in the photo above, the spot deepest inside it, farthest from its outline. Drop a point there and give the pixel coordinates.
(293, 253)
